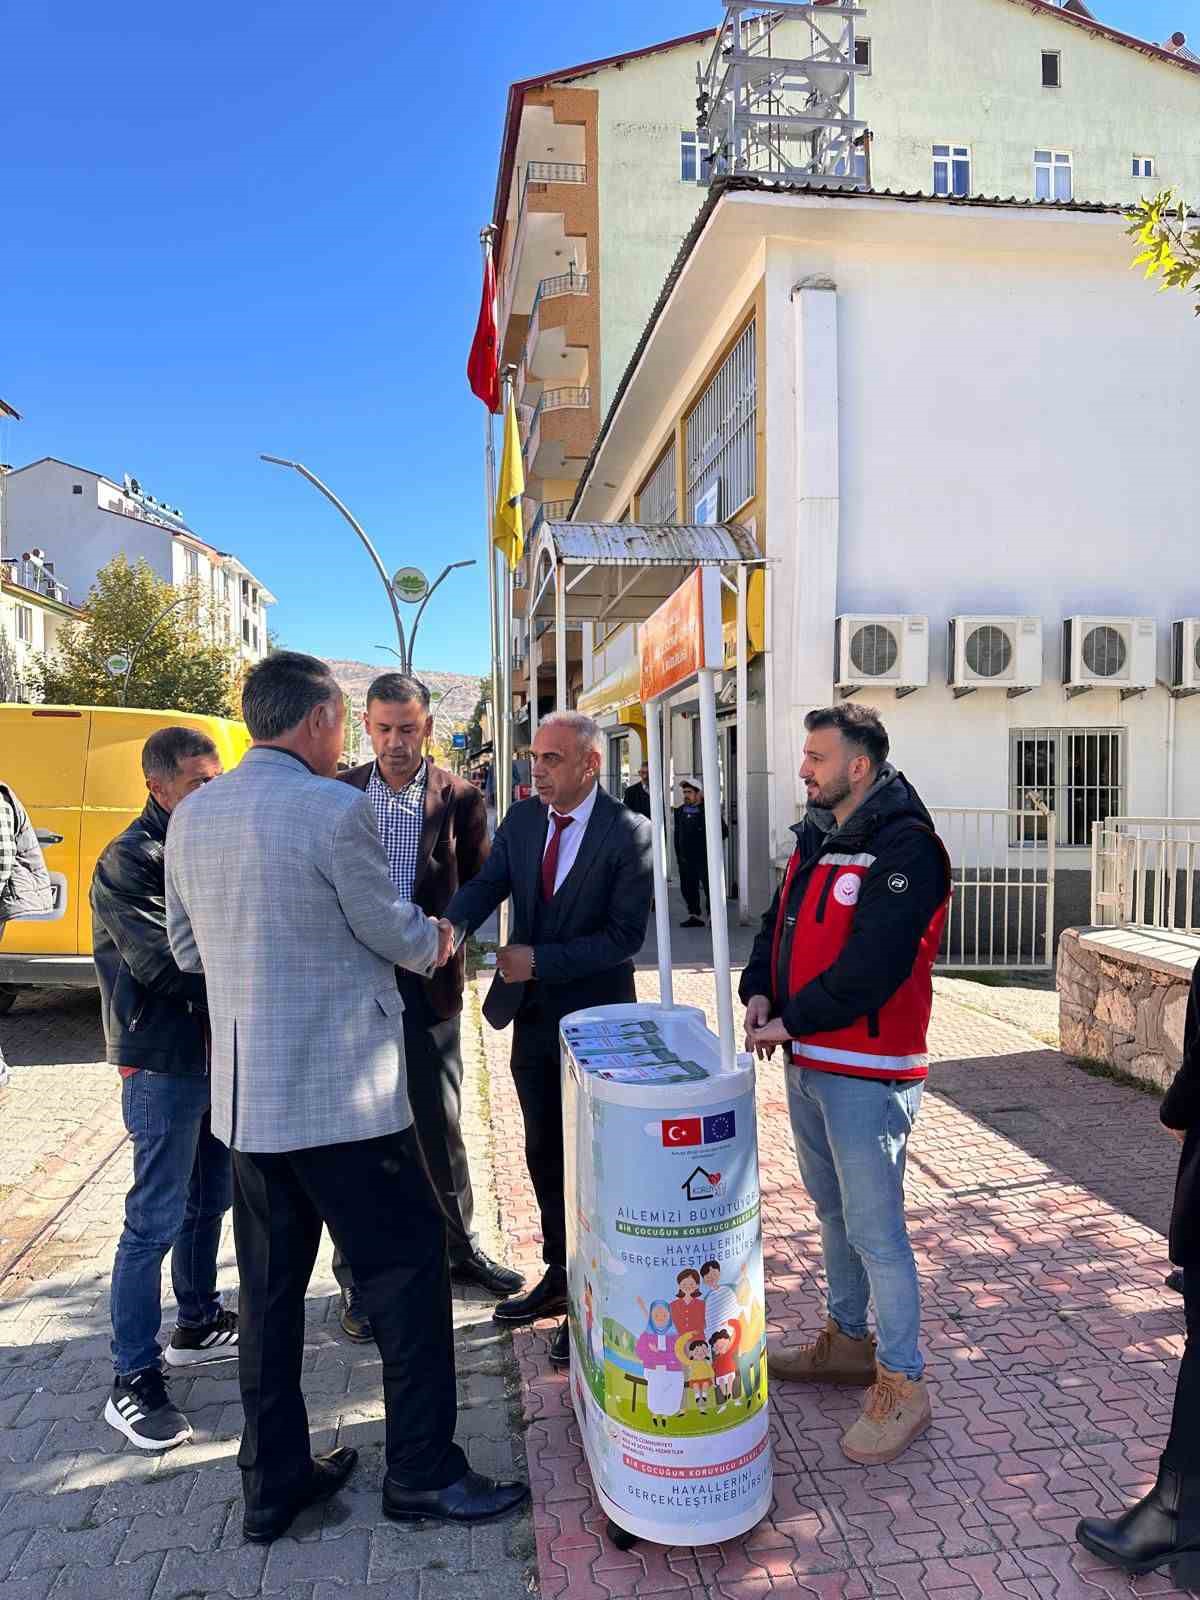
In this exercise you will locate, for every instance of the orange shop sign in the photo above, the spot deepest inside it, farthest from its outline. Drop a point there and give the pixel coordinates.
(684, 635)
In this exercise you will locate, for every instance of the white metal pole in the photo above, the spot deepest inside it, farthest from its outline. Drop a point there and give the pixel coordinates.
(662, 911)
(533, 670)
(743, 747)
(560, 637)
(717, 904)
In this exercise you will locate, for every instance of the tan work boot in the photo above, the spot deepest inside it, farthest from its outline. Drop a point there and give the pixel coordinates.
(834, 1358)
(896, 1412)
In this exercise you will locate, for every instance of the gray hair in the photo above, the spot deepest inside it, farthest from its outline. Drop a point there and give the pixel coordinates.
(163, 751)
(584, 728)
(282, 689)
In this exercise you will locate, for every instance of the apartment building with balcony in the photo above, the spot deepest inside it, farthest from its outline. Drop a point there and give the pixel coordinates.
(86, 519)
(34, 608)
(602, 172)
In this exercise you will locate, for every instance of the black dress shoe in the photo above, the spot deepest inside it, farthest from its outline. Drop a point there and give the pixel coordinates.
(1174, 1280)
(1147, 1535)
(488, 1274)
(547, 1298)
(473, 1498)
(329, 1473)
(356, 1324)
(560, 1347)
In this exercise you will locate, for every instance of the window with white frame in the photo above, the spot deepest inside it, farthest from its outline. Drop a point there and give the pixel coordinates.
(25, 624)
(193, 564)
(1052, 175)
(693, 156)
(719, 434)
(952, 169)
(862, 54)
(1077, 773)
(1143, 166)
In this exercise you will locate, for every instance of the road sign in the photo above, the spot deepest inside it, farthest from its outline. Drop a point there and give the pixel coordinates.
(458, 741)
(410, 584)
(117, 665)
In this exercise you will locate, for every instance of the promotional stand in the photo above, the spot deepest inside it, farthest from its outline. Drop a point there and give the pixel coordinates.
(664, 1237)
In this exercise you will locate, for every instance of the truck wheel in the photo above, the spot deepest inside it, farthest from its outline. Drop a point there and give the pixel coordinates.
(8, 997)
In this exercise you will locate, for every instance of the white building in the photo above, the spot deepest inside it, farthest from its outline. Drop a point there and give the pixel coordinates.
(934, 417)
(34, 608)
(85, 519)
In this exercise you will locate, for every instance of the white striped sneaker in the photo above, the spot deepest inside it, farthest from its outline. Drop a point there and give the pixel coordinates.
(139, 1407)
(217, 1341)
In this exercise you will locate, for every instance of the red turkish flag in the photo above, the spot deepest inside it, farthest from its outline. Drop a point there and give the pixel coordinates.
(483, 364)
(681, 1130)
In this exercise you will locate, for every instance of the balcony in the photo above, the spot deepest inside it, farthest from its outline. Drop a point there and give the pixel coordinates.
(553, 206)
(560, 432)
(559, 333)
(38, 579)
(548, 511)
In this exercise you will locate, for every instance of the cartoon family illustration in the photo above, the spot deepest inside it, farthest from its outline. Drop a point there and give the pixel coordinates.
(709, 1340)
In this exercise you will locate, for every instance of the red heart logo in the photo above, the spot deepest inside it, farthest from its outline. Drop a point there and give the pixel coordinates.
(714, 1177)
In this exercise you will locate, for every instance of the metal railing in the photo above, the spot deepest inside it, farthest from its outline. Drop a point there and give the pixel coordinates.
(571, 282)
(33, 576)
(1002, 865)
(571, 396)
(549, 511)
(549, 172)
(1144, 873)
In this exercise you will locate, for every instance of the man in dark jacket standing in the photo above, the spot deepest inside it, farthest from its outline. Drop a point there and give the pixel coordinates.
(637, 795)
(434, 830)
(841, 976)
(156, 1033)
(691, 851)
(25, 889)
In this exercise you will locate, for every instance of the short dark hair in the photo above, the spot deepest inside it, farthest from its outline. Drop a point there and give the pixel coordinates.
(858, 725)
(710, 1266)
(280, 691)
(164, 750)
(696, 1344)
(398, 686)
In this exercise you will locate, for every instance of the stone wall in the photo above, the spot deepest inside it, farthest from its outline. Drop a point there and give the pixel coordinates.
(1122, 1001)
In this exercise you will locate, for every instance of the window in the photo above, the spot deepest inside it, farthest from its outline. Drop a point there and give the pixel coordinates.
(1051, 69)
(76, 488)
(1077, 773)
(245, 630)
(719, 433)
(862, 54)
(657, 501)
(25, 624)
(193, 564)
(951, 169)
(1052, 175)
(1143, 166)
(693, 157)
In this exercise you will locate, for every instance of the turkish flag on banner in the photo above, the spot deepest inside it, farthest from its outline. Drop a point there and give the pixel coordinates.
(483, 364)
(681, 1130)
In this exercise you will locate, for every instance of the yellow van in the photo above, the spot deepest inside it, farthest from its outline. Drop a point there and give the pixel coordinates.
(78, 772)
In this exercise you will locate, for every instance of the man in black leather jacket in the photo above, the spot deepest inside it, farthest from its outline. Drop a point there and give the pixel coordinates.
(156, 1029)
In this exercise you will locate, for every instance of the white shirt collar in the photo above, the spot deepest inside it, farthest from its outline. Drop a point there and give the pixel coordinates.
(583, 811)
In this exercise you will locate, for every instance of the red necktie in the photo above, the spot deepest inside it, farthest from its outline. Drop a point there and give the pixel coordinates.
(550, 859)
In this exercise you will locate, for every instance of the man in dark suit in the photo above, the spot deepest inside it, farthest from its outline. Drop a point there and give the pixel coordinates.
(434, 830)
(637, 796)
(577, 865)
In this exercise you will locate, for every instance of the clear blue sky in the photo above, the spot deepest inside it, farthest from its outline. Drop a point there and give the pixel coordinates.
(232, 229)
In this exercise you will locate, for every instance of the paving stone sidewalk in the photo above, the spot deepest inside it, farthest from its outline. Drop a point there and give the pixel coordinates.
(1036, 1197)
(85, 1516)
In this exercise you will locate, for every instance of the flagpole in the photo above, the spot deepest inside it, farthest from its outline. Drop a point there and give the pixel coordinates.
(507, 609)
(489, 457)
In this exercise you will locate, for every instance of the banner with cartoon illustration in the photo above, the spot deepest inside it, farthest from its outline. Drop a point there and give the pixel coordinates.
(668, 1358)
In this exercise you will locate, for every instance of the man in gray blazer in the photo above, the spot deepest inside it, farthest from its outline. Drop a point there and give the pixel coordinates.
(278, 890)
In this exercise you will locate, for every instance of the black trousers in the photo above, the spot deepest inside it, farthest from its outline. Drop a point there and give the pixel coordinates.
(535, 1067)
(693, 876)
(1182, 1453)
(433, 1063)
(360, 1191)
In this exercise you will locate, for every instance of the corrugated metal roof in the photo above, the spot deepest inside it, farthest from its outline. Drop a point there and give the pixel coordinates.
(640, 544)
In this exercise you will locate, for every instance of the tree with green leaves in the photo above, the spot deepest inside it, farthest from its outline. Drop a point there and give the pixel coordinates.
(12, 685)
(1170, 241)
(177, 663)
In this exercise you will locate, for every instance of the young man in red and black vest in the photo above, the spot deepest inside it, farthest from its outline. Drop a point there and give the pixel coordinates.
(841, 976)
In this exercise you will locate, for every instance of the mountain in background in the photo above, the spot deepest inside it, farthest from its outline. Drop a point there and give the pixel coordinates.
(456, 692)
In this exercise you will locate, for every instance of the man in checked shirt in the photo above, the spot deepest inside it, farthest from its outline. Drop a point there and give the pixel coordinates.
(434, 830)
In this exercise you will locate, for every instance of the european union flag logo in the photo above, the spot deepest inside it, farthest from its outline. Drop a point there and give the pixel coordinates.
(718, 1127)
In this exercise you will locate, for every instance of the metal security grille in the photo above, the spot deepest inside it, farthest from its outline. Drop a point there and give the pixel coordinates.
(1001, 911)
(1146, 873)
(1077, 773)
(719, 435)
(658, 501)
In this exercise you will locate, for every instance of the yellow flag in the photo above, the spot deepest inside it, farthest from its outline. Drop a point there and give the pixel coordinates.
(508, 535)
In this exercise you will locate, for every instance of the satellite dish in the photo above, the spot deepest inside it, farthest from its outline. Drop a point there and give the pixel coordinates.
(410, 584)
(117, 665)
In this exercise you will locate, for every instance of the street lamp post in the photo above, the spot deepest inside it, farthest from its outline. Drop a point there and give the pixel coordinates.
(133, 654)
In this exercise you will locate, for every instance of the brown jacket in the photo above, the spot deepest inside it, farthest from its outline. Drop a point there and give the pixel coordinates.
(454, 846)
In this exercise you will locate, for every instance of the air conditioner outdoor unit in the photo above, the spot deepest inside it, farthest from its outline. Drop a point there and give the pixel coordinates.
(1109, 653)
(1185, 656)
(881, 652)
(994, 653)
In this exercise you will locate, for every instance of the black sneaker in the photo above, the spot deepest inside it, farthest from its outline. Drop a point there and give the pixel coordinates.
(692, 922)
(140, 1408)
(216, 1341)
(356, 1324)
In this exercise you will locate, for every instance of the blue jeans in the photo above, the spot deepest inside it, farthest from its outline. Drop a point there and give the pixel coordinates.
(851, 1142)
(182, 1188)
